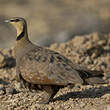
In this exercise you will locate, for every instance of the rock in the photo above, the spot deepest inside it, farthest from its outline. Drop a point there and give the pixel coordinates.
(78, 40)
(106, 96)
(108, 107)
(18, 86)
(2, 60)
(2, 90)
(82, 105)
(88, 60)
(12, 91)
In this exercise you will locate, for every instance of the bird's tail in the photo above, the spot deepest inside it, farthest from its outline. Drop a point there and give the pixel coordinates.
(92, 77)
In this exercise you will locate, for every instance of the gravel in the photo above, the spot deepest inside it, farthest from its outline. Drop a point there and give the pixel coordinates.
(91, 50)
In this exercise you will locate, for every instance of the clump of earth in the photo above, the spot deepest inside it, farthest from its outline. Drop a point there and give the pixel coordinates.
(91, 50)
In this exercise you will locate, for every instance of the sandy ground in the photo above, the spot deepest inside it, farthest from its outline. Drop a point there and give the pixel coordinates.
(92, 50)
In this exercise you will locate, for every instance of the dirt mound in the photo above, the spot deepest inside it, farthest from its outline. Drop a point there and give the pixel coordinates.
(91, 50)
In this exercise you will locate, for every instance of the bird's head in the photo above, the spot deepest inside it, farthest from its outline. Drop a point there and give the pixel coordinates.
(18, 23)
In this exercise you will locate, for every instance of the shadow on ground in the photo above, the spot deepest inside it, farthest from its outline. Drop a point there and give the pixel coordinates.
(87, 93)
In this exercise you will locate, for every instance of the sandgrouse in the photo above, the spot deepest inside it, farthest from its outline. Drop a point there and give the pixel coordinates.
(45, 68)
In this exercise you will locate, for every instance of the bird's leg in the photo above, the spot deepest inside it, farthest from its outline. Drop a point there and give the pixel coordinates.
(23, 83)
(49, 93)
(26, 85)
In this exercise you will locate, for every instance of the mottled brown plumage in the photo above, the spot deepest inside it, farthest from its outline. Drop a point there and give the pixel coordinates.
(46, 68)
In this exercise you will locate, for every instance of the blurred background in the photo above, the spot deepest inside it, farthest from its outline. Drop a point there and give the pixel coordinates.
(52, 21)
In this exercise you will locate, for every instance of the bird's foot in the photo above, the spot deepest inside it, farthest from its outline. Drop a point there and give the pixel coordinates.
(43, 99)
(48, 95)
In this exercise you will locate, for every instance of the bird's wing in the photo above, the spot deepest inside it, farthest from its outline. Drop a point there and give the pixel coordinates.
(48, 67)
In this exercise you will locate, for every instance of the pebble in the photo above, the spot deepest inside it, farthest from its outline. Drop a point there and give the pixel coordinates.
(108, 107)
(82, 104)
(2, 90)
(88, 60)
(106, 96)
(18, 86)
(2, 60)
(21, 99)
(94, 55)
(12, 91)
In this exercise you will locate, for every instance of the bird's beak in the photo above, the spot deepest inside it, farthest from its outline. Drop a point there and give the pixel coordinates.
(6, 21)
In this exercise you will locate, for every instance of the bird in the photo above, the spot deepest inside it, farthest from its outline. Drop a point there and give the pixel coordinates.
(45, 68)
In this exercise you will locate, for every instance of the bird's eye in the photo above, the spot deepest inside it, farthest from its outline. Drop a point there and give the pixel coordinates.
(14, 20)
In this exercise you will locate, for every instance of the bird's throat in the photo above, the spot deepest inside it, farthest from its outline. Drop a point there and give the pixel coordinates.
(20, 35)
(22, 39)
(20, 32)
